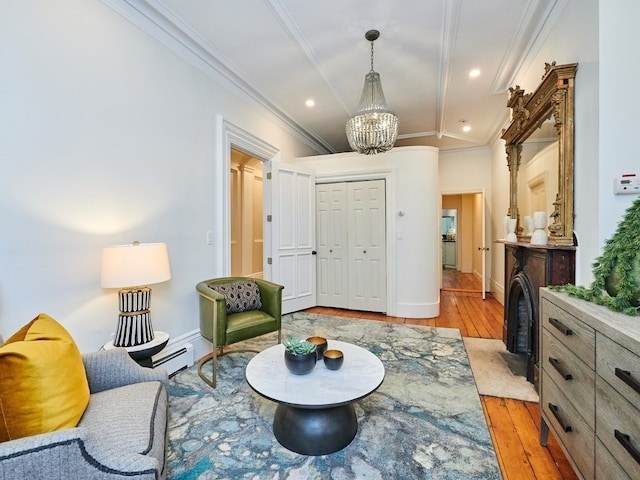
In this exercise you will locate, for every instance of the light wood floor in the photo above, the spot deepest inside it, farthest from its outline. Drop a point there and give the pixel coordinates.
(514, 425)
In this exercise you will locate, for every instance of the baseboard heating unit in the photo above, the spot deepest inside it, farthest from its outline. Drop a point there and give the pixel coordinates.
(175, 360)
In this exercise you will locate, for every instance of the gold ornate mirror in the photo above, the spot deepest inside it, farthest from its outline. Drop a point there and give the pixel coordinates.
(539, 145)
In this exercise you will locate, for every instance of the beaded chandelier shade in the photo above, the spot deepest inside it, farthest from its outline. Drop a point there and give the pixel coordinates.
(374, 128)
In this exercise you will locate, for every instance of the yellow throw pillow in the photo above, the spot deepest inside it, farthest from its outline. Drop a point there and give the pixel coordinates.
(43, 384)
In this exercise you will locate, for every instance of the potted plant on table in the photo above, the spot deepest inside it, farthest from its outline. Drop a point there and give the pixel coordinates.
(299, 355)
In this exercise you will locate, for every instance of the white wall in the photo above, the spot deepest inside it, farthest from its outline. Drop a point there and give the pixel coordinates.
(106, 137)
(471, 171)
(574, 39)
(619, 124)
(499, 208)
(413, 259)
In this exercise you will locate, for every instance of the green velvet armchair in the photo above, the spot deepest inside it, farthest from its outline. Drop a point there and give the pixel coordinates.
(222, 327)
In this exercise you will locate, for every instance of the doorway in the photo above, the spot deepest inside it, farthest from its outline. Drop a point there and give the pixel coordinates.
(246, 203)
(466, 242)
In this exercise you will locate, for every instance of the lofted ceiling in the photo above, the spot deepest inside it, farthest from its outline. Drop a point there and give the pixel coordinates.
(282, 52)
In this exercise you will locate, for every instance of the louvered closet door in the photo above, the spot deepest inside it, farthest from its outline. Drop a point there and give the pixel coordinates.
(351, 243)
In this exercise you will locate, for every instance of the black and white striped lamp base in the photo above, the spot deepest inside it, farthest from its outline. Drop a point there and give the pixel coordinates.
(134, 322)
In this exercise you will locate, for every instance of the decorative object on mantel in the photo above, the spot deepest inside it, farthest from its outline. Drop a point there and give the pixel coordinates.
(528, 225)
(616, 272)
(539, 236)
(511, 229)
(505, 225)
(299, 355)
(373, 128)
(553, 99)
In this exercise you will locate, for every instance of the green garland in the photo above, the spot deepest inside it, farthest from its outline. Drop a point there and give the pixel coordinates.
(620, 260)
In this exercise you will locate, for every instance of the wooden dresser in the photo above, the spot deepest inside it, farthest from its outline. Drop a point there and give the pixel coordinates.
(590, 385)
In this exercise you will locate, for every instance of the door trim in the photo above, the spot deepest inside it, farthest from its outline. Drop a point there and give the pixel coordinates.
(486, 274)
(230, 135)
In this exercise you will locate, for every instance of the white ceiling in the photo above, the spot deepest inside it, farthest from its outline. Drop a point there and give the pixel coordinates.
(282, 52)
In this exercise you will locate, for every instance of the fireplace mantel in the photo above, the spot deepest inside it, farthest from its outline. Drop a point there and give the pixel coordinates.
(527, 268)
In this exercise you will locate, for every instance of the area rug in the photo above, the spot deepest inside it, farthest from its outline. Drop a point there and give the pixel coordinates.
(424, 422)
(492, 373)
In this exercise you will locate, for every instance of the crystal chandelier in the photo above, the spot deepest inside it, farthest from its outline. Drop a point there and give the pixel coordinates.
(374, 128)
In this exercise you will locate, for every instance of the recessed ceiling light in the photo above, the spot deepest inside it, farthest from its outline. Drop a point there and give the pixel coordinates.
(474, 73)
(466, 128)
(310, 102)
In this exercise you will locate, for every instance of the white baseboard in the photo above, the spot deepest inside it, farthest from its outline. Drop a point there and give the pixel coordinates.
(198, 344)
(497, 291)
(418, 310)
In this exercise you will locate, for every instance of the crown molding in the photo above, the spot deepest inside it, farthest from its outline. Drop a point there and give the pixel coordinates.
(530, 34)
(161, 24)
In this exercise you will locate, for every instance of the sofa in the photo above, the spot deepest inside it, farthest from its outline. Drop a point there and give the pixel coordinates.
(121, 434)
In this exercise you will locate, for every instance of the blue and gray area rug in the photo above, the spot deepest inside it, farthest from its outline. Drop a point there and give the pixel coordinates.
(424, 422)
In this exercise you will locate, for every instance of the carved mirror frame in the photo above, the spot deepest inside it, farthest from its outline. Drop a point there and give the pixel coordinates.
(553, 97)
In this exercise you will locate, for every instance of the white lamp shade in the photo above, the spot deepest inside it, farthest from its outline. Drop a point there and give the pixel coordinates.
(134, 265)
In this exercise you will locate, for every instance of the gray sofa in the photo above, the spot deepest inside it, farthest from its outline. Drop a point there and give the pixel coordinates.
(122, 433)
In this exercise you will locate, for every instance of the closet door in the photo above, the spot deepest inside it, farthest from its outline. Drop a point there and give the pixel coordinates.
(367, 246)
(351, 243)
(332, 268)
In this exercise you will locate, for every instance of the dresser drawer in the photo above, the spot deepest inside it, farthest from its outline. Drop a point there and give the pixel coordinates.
(561, 416)
(619, 367)
(607, 468)
(615, 413)
(573, 377)
(573, 333)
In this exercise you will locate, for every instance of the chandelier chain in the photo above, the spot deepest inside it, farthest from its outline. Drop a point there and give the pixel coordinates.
(372, 55)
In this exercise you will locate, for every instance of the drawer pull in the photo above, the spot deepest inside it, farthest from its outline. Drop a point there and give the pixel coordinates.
(625, 441)
(626, 377)
(555, 363)
(556, 413)
(558, 324)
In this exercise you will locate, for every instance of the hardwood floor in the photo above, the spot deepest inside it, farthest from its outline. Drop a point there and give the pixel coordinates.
(514, 425)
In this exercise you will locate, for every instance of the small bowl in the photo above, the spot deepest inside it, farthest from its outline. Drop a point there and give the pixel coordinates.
(321, 345)
(333, 359)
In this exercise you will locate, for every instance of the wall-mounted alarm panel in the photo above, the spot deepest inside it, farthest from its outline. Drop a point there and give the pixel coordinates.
(626, 183)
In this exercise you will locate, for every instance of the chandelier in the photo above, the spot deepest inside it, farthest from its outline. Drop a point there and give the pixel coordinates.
(374, 128)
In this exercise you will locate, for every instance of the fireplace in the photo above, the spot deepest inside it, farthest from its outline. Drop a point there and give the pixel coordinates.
(527, 268)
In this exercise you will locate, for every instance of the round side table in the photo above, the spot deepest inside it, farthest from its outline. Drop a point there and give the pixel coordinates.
(142, 353)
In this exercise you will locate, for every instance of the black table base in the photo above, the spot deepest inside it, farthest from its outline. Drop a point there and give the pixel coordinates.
(315, 431)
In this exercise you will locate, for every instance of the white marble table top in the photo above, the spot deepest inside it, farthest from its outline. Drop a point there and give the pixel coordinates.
(361, 374)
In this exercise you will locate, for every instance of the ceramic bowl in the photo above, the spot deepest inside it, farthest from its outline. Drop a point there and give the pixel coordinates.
(333, 359)
(321, 345)
(300, 364)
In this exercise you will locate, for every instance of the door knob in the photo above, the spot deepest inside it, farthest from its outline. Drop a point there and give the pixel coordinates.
(364, 251)
(313, 252)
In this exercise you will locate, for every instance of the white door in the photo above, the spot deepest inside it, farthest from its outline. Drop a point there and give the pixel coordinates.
(351, 240)
(331, 221)
(293, 230)
(484, 246)
(367, 246)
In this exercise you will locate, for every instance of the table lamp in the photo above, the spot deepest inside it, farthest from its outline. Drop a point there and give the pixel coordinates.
(130, 268)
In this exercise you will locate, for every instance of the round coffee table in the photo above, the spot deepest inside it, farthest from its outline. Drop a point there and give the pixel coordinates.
(315, 414)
